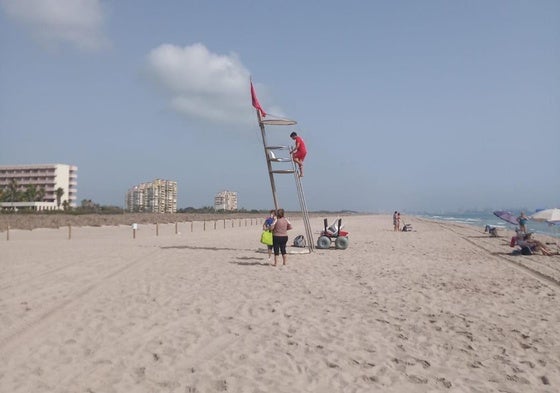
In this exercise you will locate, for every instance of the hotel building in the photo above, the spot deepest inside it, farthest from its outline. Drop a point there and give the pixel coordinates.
(225, 200)
(158, 196)
(47, 179)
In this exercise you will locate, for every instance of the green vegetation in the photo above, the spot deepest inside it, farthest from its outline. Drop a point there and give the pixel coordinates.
(14, 193)
(210, 209)
(59, 193)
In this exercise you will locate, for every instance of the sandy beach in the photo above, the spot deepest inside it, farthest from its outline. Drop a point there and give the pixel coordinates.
(197, 308)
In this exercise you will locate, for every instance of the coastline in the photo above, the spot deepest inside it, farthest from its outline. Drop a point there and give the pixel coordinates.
(481, 219)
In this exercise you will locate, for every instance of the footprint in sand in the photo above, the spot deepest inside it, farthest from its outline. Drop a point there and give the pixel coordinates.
(444, 382)
(417, 379)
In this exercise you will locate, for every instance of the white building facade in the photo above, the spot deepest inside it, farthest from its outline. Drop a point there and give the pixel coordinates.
(225, 200)
(45, 180)
(158, 196)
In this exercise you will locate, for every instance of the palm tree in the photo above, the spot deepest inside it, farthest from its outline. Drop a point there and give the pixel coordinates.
(13, 190)
(40, 194)
(30, 193)
(59, 193)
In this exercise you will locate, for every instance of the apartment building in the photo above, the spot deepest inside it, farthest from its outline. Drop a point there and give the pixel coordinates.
(36, 186)
(158, 196)
(225, 200)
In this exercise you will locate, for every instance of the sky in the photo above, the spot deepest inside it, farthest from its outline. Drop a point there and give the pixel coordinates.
(413, 106)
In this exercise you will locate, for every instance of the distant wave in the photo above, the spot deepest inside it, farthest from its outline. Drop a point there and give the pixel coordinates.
(483, 219)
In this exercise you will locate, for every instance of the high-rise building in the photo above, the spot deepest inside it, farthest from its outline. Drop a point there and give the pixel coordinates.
(225, 200)
(38, 186)
(158, 196)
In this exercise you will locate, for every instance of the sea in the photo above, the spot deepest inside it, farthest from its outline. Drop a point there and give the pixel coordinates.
(481, 219)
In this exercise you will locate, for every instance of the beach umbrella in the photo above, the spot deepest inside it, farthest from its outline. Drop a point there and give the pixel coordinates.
(506, 216)
(548, 215)
(552, 216)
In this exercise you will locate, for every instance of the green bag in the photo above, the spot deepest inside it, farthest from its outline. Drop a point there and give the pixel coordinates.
(266, 238)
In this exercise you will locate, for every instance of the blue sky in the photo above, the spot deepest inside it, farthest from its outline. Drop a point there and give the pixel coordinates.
(404, 105)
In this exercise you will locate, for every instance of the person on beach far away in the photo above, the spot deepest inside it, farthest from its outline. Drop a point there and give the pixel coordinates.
(395, 226)
(526, 240)
(267, 226)
(280, 236)
(522, 220)
(299, 152)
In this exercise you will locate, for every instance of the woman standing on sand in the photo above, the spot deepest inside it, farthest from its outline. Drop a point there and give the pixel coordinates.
(280, 236)
(396, 221)
(522, 220)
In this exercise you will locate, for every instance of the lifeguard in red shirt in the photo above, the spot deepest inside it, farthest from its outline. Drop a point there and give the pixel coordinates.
(299, 152)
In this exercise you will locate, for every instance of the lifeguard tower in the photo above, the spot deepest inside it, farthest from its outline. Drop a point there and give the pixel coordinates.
(279, 162)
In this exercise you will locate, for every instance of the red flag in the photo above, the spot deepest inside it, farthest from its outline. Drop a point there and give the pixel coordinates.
(256, 103)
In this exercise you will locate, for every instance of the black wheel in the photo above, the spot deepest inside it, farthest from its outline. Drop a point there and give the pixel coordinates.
(341, 243)
(323, 242)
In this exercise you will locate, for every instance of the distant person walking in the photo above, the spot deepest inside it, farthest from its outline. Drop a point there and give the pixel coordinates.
(299, 152)
(522, 220)
(395, 221)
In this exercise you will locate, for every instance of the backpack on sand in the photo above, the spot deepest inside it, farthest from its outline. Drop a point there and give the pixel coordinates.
(299, 241)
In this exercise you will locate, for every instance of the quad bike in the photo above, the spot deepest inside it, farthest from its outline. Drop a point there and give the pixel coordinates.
(333, 233)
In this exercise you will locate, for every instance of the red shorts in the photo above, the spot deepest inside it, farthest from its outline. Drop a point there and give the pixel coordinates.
(300, 155)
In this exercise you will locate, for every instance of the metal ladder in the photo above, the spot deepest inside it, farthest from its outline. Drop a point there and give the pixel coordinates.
(271, 161)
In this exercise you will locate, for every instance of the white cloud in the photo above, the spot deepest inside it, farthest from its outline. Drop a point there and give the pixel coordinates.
(203, 84)
(51, 22)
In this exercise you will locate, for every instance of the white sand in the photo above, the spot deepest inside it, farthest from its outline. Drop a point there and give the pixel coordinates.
(443, 308)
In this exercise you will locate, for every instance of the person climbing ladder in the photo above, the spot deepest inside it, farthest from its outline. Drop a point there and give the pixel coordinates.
(299, 152)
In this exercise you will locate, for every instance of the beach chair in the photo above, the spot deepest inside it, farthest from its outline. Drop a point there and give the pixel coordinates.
(334, 227)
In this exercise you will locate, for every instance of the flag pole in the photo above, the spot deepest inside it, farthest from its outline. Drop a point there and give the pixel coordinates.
(260, 115)
(268, 163)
